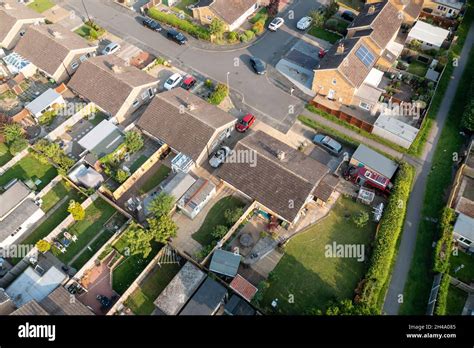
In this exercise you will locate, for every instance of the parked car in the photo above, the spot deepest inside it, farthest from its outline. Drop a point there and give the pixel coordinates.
(258, 65)
(111, 48)
(348, 16)
(245, 123)
(176, 36)
(304, 23)
(173, 81)
(151, 24)
(328, 143)
(220, 156)
(188, 83)
(276, 23)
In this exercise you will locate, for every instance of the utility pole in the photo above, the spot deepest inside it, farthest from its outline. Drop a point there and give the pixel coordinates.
(87, 13)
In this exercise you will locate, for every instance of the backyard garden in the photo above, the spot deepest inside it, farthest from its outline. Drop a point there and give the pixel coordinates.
(306, 273)
(41, 6)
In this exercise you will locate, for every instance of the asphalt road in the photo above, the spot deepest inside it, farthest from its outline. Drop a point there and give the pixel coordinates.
(268, 99)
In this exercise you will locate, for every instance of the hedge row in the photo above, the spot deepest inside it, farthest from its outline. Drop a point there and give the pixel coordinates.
(445, 243)
(385, 243)
(219, 94)
(182, 24)
(442, 298)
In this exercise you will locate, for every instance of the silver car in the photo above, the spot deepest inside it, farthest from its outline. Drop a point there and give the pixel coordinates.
(220, 156)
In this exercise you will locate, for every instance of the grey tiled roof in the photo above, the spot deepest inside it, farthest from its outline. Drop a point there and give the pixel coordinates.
(11, 13)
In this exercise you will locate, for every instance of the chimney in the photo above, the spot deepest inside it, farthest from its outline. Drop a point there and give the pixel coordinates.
(281, 155)
(116, 69)
(371, 10)
(340, 48)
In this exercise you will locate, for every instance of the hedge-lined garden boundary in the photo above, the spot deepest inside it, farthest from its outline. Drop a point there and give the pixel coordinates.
(385, 244)
(193, 29)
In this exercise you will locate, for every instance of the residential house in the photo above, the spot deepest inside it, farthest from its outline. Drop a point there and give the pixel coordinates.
(18, 212)
(430, 36)
(186, 123)
(15, 18)
(232, 12)
(34, 284)
(114, 86)
(207, 299)
(58, 302)
(177, 293)
(54, 50)
(410, 9)
(444, 8)
(280, 178)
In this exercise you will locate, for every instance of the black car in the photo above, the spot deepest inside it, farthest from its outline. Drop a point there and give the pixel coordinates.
(176, 36)
(348, 16)
(152, 24)
(258, 65)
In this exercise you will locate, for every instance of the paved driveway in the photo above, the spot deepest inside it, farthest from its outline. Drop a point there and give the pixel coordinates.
(253, 93)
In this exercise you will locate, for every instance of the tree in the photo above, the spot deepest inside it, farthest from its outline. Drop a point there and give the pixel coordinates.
(232, 215)
(12, 131)
(318, 18)
(345, 307)
(361, 219)
(331, 9)
(122, 175)
(273, 7)
(219, 232)
(138, 240)
(17, 145)
(467, 120)
(76, 210)
(162, 228)
(415, 45)
(43, 246)
(133, 141)
(217, 27)
(161, 205)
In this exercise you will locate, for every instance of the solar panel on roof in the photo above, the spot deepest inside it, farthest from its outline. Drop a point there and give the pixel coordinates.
(365, 56)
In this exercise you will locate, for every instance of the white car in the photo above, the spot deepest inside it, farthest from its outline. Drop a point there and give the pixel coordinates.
(173, 81)
(220, 156)
(304, 23)
(276, 23)
(110, 48)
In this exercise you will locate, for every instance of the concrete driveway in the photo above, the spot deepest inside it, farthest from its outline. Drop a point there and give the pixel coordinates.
(250, 92)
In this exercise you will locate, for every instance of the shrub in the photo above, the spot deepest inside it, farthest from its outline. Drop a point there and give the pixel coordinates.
(250, 34)
(76, 210)
(47, 118)
(258, 27)
(43, 246)
(233, 36)
(17, 146)
(219, 94)
(361, 219)
(209, 84)
(389, 230)
(121, 176)
(133, 141)
(93, 34)
(331, 24)
(243, 38)
(182, 24)
(444, 244)
(441, 300)
(219, 232)
(232, 215)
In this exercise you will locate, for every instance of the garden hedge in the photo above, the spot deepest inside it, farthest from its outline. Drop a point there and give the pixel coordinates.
(442, 298)
(182, 24)
(445, 243)
(385, 243)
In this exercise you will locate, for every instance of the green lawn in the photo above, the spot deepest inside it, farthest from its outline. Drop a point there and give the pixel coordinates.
(5, 154)
(439, 181)
(466, 274)
(85, 230)
(141, 300)
(129, 269)
(214, 218)
(86, 255)
(30, 168)
(455, 301)
(55, 195)
(181, 6)
(312, 278)
(138, 163)
(156, 179)
(418, 68)
(84, 31)
(41, 5)
(98, 118)
(323, 34)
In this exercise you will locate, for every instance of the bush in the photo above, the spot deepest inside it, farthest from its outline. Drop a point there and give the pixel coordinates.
(233, 36)
(331, 24)
(133, 141)
(121, 176)
(219, 94)
(17, 146)
(243, 38)
(361, 219)
(445, 243)
(232, 215)
(258, 27)
(389, 230)
(47, 118)
(219, 232)
(182, 24)
(442, 298)
(250, 34)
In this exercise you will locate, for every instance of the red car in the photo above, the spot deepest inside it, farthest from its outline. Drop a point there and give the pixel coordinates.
(188, 82)
(322, 53)
(245, 123)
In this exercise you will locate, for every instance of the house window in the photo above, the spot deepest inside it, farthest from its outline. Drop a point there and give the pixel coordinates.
(334, 81)
(450, 11)
(364, 106)
(150, 92)
(365, 55)
(135, 103)
(144, 95)
(74, 65)
(465, 241)
(331, 94)
(22, 33)
(428, 44)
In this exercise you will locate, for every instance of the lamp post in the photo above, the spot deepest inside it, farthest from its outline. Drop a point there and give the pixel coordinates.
(228, 87)
(85, 9)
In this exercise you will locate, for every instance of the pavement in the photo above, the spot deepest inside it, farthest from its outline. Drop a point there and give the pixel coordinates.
(268, 97)
(415, 204)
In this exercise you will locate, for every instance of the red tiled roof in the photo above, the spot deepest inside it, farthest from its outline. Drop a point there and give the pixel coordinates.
(242, 286)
